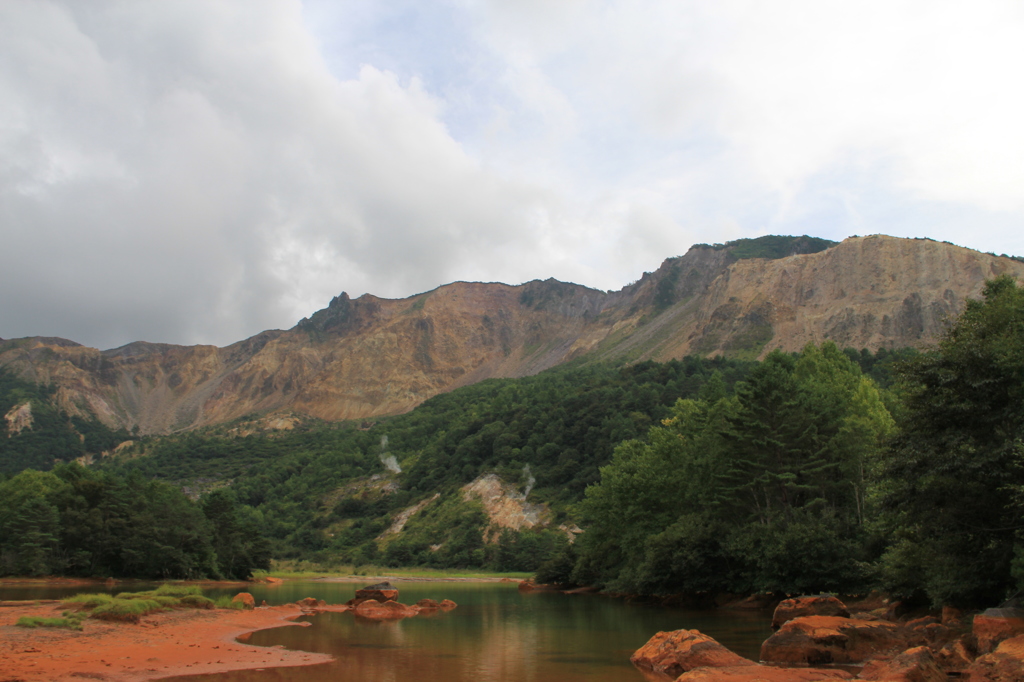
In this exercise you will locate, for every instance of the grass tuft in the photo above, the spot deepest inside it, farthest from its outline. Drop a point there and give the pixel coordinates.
(128, 610)
(226, 603)
(69, 622)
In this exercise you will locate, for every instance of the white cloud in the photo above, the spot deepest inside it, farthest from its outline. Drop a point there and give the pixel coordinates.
(201, 170)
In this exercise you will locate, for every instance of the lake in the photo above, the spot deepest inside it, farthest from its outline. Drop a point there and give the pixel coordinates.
(496, 634)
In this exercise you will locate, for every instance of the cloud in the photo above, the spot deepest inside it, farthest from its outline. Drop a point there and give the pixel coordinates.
(196, 171)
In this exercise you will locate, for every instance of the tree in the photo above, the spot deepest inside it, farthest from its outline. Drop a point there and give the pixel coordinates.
(950, 478)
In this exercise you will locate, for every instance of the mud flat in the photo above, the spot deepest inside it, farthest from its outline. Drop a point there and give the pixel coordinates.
(179, 642)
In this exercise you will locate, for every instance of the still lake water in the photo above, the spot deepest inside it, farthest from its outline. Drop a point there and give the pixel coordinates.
(496, 634)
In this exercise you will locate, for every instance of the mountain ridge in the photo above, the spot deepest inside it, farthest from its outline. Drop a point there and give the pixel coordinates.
(370, 356)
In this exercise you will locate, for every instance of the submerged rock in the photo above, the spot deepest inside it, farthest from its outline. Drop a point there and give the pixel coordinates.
(388, 610)
(679, 651)
(763, 673)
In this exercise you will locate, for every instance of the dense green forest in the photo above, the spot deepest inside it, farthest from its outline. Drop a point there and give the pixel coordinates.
(824, 470)
(78, 521)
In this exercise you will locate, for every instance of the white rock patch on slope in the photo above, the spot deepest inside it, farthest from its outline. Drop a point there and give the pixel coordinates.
(506, 507)
(19, 418)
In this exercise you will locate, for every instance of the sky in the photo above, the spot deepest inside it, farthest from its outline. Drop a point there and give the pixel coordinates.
(197, 171)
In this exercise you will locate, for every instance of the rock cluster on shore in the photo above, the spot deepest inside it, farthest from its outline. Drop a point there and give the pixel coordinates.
(379, 602)
(817, 632)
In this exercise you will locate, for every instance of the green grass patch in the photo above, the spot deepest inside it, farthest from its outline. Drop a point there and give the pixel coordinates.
(127, 610)
(226, 603)
(88, 601)
(132, 606)
(70, 621)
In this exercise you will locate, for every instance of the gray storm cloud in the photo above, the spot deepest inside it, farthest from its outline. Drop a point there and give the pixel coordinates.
(195, 171)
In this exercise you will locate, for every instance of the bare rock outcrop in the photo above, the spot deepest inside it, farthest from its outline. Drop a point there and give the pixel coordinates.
(370, 356)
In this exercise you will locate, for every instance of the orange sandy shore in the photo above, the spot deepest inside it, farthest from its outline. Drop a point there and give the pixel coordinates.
(180, 642)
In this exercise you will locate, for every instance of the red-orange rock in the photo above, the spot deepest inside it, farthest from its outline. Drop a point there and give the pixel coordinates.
(763, 673)
(797, 607)
(955, 656)
(245, 598)
(308, 602)
(913, 665)
(389, 610)
(381, 592)
(679, 651)
(821, 640)
(1005, 664)
(995, 625)
(428, 604)
(271, 580)
(447, 604)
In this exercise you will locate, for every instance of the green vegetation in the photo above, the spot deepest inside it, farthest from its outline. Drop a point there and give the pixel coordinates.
(53, 436)
(952, 482)
(78, 521)
(310, 490)
(132, 606)
(69, 621)
(771, 246)
(760, 491)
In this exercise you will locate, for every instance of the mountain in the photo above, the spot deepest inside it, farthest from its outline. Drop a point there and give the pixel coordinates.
(370, 356)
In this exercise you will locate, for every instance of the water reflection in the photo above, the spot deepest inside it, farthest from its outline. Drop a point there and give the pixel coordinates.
(495, 635)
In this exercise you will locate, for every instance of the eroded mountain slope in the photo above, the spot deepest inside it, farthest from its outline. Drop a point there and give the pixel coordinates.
(370, 356)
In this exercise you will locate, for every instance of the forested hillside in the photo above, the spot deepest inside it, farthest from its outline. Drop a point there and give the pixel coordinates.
(35, 433)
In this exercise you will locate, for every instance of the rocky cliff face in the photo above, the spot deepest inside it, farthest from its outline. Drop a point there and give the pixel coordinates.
(369, 356)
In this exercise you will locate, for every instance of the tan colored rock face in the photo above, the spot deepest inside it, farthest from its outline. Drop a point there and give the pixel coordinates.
(18, 419)
(370, 356)
(505, 506)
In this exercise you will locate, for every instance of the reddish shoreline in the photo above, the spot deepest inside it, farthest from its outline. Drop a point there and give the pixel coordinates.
(179, 642)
